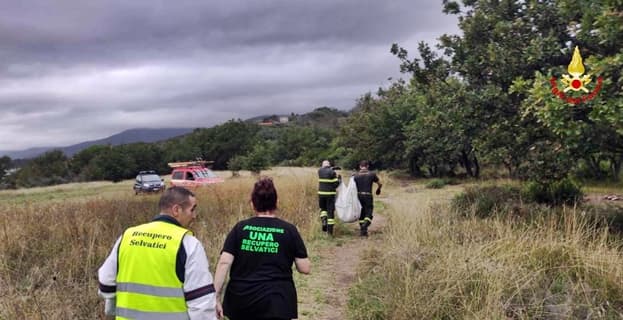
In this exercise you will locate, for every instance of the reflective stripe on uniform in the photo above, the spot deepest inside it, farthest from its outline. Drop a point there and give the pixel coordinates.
(323, 214)
(330, 221)
(123, 313)
(326, 192)
(328, 180)
(150, 290)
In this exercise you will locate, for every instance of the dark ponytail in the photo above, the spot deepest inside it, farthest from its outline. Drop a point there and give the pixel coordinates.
(264, 195)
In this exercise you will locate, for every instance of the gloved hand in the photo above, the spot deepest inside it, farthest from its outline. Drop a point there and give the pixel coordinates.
(378, 191)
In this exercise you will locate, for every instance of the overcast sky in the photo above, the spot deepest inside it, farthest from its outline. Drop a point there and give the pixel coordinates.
(79, 70)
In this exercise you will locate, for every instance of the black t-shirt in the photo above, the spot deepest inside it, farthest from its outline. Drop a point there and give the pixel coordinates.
(364, 180)
(261, 284)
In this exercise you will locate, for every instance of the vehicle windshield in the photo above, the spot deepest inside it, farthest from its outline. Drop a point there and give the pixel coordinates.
(198, 174)
(204, 173)
(151, 178)
(209, 174)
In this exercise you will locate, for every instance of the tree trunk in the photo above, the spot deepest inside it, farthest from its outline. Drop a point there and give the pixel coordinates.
(476, 168)
(466, 163)
(593, 164)
(615, 165)
(414, 169)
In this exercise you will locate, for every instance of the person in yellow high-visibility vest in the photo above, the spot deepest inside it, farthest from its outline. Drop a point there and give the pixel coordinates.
(159, 270)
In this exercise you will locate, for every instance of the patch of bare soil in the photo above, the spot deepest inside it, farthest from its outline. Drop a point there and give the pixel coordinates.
(594, 198)
(325, 295)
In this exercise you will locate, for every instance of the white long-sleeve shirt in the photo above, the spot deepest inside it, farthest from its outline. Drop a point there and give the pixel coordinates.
(196, 273)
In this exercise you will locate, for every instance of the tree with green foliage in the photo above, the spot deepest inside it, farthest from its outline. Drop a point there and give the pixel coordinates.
(502, 41)
(440, 134)
(235, 164)
(5, 164)
(375, 129)
(47, 169)
(181, 148)
(592, 130)
(222, 142)
(114, 165)
(81, 166)
(145, 156)
(256, 160)
(301, 146)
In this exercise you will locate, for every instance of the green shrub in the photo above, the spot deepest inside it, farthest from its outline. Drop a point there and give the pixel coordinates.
(437, 183)
(559, 192)
(533, 191)
(565, 191)
(485, 201)
(235, 165)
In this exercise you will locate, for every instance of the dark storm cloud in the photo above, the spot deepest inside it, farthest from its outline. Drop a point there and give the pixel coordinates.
(122, 64)
(75, 32)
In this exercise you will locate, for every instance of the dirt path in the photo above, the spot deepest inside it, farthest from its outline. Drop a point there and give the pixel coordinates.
(324, 294)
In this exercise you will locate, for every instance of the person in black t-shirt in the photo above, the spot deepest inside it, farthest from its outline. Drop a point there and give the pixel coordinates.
(259, 253)
(364, 180)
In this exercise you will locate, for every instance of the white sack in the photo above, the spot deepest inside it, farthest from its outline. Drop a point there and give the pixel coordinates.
(347, 205)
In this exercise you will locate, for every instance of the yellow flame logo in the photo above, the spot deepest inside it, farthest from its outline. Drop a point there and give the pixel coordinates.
(576, 81)
(576, 67)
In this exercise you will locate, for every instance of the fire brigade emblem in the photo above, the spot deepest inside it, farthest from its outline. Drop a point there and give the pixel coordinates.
(575, 81)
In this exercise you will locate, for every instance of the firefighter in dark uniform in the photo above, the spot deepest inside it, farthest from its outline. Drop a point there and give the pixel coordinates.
(328, 181)
(364, 180)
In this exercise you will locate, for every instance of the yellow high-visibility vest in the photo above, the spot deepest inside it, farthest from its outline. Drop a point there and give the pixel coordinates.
(147, 285)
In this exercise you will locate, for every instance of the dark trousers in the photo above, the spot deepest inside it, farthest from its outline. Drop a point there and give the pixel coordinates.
(327, 207)
(367, 206)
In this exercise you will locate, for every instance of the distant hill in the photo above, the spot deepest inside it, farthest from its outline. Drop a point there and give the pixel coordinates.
(125, 137)
(324, 117)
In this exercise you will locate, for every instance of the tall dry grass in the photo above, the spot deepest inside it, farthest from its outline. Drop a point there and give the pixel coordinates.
(436, 264)
(50, 250)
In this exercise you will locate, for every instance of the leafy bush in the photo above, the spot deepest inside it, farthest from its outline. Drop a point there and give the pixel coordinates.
(235, 165)
(565, 191)
(533, 191)
(559, 192)
(484, 201)
(256, 160)
(546, 161)
(437, 183)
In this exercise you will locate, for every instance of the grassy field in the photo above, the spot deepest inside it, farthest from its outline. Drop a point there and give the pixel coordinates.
(438, 264)
(54, 239)
(431, 262)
